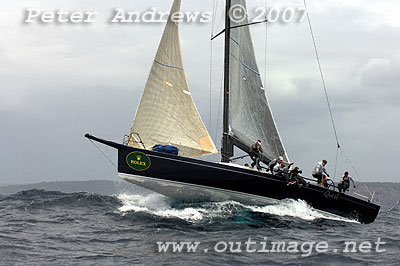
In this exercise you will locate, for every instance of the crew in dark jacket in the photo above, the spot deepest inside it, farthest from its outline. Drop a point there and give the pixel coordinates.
(255, 154)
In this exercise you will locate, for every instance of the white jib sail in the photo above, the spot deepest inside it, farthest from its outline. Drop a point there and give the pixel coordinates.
(166, 112)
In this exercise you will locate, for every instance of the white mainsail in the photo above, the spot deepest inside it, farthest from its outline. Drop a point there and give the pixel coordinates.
(250, 116)
(166, 113)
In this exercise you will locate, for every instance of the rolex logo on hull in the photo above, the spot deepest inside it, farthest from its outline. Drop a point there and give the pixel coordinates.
(138, 161)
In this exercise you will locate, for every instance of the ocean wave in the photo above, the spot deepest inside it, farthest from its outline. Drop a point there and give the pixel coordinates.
(39, 198)
(161, 206)
(158, 205)
(299, 209)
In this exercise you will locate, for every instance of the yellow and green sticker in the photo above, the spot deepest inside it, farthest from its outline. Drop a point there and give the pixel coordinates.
(138, 161)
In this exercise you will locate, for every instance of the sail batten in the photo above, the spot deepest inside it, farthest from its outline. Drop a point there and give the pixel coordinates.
(250, 117)
(166, 113)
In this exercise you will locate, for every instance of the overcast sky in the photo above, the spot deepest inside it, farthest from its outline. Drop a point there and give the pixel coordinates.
(59, 81)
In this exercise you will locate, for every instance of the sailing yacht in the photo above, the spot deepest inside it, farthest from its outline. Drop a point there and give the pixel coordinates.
(167, 115)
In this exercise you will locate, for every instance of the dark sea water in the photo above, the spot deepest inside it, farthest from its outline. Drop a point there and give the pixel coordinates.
(40, 227)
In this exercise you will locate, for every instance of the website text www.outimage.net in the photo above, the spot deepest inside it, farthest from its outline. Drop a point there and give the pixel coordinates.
(305, 248)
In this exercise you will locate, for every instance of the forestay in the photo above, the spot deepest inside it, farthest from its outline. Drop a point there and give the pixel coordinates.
(166, 113)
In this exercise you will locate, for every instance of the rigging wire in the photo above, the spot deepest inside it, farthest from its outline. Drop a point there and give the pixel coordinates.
(343, 154)
(210, 77)
(346, 159)
(324, 85)
(211, 62)
(215, 23)
(265, 46)
(211, 54)
(105, 156)
(219, 105)
(214, 15)
(321, 74)
(337, 153)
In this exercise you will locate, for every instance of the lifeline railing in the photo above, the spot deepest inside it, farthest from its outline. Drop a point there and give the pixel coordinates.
(126, 139)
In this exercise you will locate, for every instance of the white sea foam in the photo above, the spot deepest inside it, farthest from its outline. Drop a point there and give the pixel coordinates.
(159, 205)
(297, 208)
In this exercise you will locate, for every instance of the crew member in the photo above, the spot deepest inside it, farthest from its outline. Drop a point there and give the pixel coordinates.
(295, 177)
(345, 182)
(319, 170)
(255, 154)
(274, 162)
(282, 170)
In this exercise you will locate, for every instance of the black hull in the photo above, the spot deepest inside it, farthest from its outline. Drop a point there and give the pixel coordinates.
(217, 179)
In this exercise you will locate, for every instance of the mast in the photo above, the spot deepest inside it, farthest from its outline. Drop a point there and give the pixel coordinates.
(227, 146)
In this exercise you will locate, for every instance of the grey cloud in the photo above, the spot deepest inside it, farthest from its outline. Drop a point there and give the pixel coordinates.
(58, 83)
